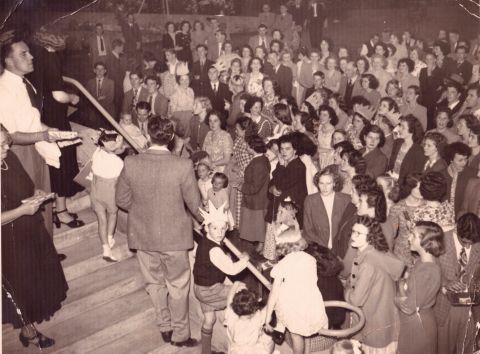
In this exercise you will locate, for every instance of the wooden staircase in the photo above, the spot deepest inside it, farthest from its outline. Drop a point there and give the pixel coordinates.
(107, 309)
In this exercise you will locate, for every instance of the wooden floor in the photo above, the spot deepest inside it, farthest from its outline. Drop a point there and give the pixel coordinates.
(107, 309)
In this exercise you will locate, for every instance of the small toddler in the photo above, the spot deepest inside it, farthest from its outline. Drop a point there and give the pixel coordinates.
(204, 181)
(219, 195)
(134, 131)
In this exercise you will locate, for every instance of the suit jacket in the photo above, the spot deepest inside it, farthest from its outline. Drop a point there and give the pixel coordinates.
(94, 51)
(116, 69)
(414, 160)
(254, 41)
(318, 21)
(213, 48)
(471, 202)
(449, 266)
(154, 187)
(131, 36)
(106, 95)
(463, 70)
(356, 91)
(419, 111)
(341, 240)
(284, 24)
(200, 75)
(283, 76)
(316, 227)
(159, 105)
(218, 99)
(127, 105)
(430, 87)
(388, 146)
(305, 77)
(255, 185)
(460, 190)
(376, 162)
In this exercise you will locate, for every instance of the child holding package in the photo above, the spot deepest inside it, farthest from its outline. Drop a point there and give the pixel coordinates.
(219, 195)
(244, 319)
(295, 297)
(106, 168)
(210, 269)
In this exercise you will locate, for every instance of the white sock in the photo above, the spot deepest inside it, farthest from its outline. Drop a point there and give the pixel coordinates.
(111, 241)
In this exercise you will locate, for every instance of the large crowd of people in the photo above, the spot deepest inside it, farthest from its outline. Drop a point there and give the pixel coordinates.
(351, 174)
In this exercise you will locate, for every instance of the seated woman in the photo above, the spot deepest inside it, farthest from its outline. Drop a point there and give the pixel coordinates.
(372, 286)
(417, 294)
(373, 139)
(328, 268)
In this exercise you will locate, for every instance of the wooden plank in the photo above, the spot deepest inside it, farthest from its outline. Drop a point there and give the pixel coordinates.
(73, 237)
(95, 262)
(110, 334)
(141, 340)
(91, 321)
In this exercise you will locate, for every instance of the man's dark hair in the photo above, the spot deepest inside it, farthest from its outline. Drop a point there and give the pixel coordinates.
(161, 130)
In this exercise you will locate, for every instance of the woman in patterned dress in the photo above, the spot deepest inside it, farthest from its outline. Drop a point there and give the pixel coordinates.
(218, 143)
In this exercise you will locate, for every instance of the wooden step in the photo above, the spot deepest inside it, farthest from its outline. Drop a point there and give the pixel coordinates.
(70, 334)
(89, 259)
(141, 340)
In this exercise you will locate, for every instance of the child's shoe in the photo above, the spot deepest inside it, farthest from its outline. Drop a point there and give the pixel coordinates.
(111, 241)
(107, 254)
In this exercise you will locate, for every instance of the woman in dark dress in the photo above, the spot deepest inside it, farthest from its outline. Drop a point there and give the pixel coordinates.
(55, 105)
(32, 277)
(183, 42)
(288, 179)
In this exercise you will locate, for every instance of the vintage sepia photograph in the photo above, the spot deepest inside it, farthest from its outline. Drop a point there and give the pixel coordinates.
(240, 176)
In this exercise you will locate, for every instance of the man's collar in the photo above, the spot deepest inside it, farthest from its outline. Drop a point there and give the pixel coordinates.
(11, 76)
(159, 148)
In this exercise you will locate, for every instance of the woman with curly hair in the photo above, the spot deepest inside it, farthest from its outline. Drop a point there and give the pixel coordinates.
(352, 164)
(328, 120)
(407, 153)
(253, 110)
(373, 138)
(372, 286)
(434, 148)
(433, 188)
(417, 294)
(407, 198)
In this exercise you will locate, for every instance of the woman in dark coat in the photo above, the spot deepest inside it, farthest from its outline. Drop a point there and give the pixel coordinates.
(407, 153)
(288, 180)
(255, 189)
(32, 277)
(55, 106)
(373, 138)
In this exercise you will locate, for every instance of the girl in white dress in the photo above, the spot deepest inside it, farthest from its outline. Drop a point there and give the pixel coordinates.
(295, 297)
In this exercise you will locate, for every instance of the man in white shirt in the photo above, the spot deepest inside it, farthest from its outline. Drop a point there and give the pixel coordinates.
(20, 108)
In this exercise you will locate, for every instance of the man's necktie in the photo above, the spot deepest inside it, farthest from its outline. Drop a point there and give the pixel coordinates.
(99, 88)
(34, 100)
(463, 258)
(134, 98)
(102, 45)
(150, 102)
(215, 88)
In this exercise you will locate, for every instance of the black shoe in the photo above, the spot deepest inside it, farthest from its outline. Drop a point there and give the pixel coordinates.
(167, 336)
(278, 337)
(190, 342)
(39, 340)
(73, 224)
(61, 257)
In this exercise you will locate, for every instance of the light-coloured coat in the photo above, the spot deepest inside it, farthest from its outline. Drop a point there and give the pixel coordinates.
(154, 188)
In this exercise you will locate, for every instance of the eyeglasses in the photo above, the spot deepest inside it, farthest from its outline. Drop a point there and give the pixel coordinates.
(354, 232)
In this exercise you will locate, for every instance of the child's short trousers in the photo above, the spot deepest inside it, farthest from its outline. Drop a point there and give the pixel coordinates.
(102, 194)
(212, 298)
